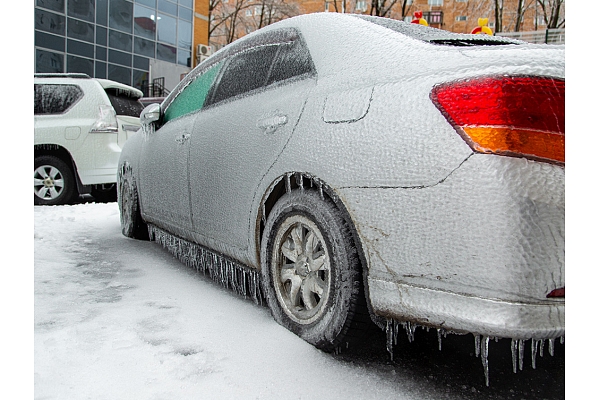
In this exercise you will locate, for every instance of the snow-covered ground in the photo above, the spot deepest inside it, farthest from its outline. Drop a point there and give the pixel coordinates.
(117, 318)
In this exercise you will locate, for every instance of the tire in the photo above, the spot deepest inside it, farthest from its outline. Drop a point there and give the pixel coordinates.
(106, 193)
(132, 224)
(311, 272)
(53, 181)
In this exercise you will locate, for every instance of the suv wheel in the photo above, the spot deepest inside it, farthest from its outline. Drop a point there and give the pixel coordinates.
(53, 181)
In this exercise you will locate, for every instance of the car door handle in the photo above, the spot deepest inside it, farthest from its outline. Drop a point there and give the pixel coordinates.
(183, 138)
(271, 123)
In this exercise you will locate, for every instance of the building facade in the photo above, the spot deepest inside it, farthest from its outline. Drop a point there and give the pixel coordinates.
(149, 44)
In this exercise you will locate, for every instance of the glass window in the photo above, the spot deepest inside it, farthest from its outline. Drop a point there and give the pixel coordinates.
(47, 61)
(118, 57)
(149, 3)
(192, 98)
(184, 57)
(184, 30)
(119, 74)
(140, 79)
(100, 70)
(144, 22)
(82, 9)
(56, 5)
(187, 3)
(80, 30)
(81, 65)
(49, 41)
(143, 47)
(102, 12)
(292, 60)
(55, 99)
(166, 53)
(80, 48)
(245, 72)
(185, 13)
(101, 53)
(435, 2)
(101, 36)
(49, 22)
(141, 62)
(124, 104)
(167, 6)
(167, 29)
(121, 15)
(119, 40)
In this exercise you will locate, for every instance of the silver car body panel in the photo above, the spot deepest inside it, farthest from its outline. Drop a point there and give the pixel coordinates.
(451, 239)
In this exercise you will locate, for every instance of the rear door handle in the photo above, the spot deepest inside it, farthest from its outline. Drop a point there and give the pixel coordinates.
(271, 123)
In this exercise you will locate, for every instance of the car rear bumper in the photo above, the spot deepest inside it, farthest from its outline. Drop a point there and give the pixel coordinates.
(477, 252)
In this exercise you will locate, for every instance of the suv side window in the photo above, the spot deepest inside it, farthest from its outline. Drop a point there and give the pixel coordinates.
(55, 99)
(192, 98)
(246, 71)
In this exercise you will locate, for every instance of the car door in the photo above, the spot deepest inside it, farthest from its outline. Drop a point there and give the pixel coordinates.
(164, 179)
(250, 116)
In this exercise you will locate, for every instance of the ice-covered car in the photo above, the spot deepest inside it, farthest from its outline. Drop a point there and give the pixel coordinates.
(80, 125)
(360, 169)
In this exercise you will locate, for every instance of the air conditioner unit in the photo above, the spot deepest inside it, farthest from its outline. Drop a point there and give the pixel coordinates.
(203, 52)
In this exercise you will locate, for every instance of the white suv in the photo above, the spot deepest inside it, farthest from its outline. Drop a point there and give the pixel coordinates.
(81, 125)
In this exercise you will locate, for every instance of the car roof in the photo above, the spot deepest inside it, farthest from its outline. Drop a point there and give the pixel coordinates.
(105, 83)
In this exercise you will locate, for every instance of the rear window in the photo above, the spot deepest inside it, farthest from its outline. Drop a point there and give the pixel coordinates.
(124, 104)
(54, 99)
(438, 36)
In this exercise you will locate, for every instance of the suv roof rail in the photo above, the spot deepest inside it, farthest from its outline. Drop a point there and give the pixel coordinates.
(60, 75)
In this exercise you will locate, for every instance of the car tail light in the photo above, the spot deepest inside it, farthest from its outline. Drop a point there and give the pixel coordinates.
(107, 120)
(560, 292)
(513, 116)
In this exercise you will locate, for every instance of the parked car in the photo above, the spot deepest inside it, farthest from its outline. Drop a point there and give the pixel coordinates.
(403, 174)
(81, 124)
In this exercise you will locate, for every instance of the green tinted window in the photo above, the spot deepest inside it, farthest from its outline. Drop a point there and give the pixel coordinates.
(192, 98)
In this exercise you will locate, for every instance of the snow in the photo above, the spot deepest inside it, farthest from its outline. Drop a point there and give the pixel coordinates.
(117, 318)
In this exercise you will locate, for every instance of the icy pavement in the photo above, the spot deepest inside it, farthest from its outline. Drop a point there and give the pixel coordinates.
(117, 318)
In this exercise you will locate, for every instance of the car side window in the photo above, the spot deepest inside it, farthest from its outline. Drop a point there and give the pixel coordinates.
(55, 99)
(245, 72)
(292, 60)
(192, 98)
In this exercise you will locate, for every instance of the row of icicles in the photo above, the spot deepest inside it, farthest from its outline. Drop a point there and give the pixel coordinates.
(481, 345)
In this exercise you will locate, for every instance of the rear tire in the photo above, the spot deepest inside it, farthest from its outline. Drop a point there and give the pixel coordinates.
(132, 224)
(53, 181)
(311, 272)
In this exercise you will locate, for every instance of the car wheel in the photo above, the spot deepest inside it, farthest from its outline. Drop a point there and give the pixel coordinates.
(132, 224)
(105, 193)
(311, 271)
(53, 181)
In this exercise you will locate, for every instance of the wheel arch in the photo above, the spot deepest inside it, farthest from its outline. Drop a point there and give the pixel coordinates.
(48, 149)
(306, 181)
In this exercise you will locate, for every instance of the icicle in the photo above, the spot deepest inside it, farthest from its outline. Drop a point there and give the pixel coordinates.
(389, 334)
(484, 359)
(542, 348)
(288, 184)
(551, 347)
(263, 213)
(534, 349)
(513, 348)
(477, 344)
(521, 353)
(410, 331)
(562, 340)
(396, 326)
(321, 190)
(439, 335)
(299, 180)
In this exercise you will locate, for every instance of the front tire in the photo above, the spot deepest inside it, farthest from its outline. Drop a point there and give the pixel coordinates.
(311, 272)
(53, 181)
(132, 224)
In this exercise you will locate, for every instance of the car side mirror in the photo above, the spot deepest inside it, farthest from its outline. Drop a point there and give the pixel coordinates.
(148, 118)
